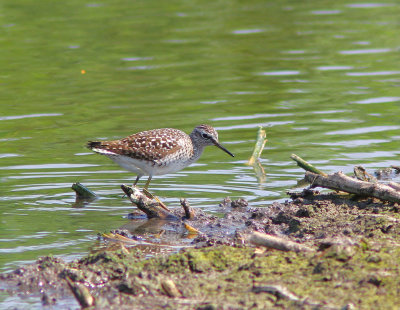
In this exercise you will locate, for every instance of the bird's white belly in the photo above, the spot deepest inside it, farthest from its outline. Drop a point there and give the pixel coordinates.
(141, 167)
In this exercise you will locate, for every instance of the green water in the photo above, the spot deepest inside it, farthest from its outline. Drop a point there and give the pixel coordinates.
(323, 77)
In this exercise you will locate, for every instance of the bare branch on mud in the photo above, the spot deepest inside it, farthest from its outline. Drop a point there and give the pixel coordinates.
(277, 243)
(394, 185)
(283, 293)
(341, 182)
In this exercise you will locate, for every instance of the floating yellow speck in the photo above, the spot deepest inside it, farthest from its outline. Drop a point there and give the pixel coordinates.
(83, 71)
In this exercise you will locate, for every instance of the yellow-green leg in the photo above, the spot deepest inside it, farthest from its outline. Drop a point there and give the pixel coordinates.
(146, 186)
(151, 196)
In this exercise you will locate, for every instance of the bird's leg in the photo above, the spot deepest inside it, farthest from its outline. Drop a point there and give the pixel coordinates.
(151, 196)
(146, 186)
(136, 181)
(145, 191)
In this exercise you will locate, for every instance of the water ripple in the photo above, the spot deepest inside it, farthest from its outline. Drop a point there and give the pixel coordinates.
(136, 58)
(353, 143)
(247, 31)
(357, 131)
(254, 116)
(4, 118)
(326, 12)
(372, 73)
(6, 155)
(329, 68)
(46, 166)
(378, 100)
(279, 73)
(368, 5)
(247, 126)
(366, 51)
(55, 245)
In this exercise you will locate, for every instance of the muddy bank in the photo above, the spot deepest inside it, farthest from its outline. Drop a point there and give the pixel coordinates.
(355, 263)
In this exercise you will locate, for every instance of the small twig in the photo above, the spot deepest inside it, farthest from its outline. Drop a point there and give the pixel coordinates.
(189, 212)
(283, 293)
(81, 293)
(259, 146)
(277, 243)
(191, 230)
(170, 288)
(118, 237)
(83, 192)
(277, 290)
(150, 195)
(306, 165)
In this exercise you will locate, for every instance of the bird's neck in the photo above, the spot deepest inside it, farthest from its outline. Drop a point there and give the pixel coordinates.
(197, 148)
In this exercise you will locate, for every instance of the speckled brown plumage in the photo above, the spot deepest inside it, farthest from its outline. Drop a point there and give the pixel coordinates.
(152, 145)
(158, 151)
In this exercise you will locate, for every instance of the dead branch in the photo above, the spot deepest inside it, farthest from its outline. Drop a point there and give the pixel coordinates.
(341, 182)
(147, 205)
(394, 185)
(277, 290)
(277, 243)
(283, 293)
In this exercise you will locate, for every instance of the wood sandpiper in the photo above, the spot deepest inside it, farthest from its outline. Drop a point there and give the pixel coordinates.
(158, 151)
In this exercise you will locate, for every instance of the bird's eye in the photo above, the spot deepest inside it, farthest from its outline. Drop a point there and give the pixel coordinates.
(205, 136)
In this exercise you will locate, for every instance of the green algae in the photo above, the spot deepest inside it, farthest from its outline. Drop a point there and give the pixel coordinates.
(223, 277)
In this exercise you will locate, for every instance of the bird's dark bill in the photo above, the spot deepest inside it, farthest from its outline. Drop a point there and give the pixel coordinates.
(223, 148)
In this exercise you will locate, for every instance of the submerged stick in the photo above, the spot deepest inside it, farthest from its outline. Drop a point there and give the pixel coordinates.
(259, 146)
(341, 182)
(83, 192)
(277, 243)
(147, 205)
(306, 165)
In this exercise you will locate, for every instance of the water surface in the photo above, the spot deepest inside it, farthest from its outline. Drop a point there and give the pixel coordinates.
(322, 78)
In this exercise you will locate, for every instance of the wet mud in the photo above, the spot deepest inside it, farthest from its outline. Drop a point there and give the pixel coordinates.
(355, 264)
